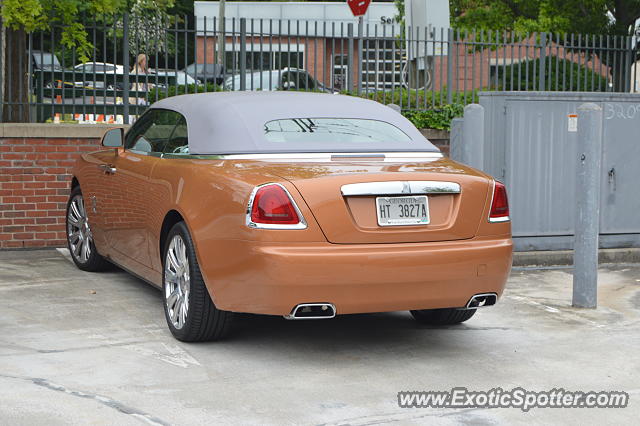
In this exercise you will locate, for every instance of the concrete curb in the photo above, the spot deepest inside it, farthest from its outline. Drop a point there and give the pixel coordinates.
(565, 257)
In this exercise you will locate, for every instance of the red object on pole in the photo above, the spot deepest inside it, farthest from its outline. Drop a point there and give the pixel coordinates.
(358, 7)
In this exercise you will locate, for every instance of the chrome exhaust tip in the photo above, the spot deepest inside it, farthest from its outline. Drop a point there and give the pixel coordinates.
(481, 300)
(312, 311)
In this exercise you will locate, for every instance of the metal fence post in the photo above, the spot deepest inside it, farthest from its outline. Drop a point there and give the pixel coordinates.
(543, 59)
(450, 66)
(585, 254)
(125, 64)
(627, 66)
(350, 82)
(30, 111)
(472, 151)
(360, 46)
(243, 54)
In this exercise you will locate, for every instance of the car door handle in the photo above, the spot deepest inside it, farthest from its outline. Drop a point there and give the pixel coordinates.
(108, 169)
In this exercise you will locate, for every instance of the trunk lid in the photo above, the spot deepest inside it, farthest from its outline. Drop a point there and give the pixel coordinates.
(346, 218)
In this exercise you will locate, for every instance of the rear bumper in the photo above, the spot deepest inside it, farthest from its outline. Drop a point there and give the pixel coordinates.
(272, 278)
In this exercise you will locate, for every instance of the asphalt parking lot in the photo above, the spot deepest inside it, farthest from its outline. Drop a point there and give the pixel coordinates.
(78, 348)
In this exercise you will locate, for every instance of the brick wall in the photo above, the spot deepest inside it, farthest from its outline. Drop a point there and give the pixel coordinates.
(35, 180)
(34, 188)
(35, 164)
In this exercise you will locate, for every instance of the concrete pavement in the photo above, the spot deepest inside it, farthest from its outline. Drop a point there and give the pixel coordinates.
(78, 348)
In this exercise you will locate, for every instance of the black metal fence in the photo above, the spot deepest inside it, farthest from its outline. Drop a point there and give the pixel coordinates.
(418, 69)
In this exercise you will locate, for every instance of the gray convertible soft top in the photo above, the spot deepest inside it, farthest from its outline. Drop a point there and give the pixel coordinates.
(234, 122)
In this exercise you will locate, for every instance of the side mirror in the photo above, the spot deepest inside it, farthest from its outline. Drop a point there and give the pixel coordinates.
(113, 138)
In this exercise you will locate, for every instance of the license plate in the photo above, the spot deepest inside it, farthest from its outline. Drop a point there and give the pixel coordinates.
(395, 211)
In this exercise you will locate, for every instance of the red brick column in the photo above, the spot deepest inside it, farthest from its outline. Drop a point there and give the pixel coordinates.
(34, 186)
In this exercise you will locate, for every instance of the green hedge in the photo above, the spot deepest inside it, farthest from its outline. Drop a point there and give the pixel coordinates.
(438, 114)
(437, 118)
(419, 99)
(162, 93)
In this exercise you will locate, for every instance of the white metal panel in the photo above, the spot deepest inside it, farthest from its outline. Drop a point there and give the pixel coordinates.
(540, 167)
(421, 14)
(620, 193)
(426, 13)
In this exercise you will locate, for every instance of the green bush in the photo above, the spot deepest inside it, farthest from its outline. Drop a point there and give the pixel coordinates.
(416, 99)
(158, 93)
(569, 76)
(425, 109)
(435, 118)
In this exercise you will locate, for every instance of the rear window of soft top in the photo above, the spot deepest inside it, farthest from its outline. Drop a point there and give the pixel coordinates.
(343, 131)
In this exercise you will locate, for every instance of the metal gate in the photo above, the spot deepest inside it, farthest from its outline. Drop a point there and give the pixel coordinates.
(531, 143)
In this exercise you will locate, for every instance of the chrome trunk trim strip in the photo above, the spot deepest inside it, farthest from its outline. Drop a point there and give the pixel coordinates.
(315, 157)
(413, 187)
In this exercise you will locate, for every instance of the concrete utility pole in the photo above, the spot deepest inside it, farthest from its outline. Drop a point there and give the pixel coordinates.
(585, 254)
(473, 136)
(221, 32)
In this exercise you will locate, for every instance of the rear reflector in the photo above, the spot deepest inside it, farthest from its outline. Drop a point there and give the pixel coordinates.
(272, 207)
(499, 204)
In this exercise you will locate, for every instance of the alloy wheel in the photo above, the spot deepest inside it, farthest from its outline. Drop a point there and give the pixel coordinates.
(78, 230)
(177, 284)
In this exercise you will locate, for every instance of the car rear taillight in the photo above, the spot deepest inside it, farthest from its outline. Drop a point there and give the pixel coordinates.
(271, 206)
(499, 204)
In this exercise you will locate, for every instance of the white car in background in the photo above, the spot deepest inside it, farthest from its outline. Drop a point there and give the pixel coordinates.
(182, 78)
(99, 68)
(88, 69)
(90, 73)
(284, 79)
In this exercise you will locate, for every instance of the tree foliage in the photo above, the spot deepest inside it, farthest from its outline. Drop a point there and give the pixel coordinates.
(35, 15)
(588, 17)
(148, 24)
(615, 17)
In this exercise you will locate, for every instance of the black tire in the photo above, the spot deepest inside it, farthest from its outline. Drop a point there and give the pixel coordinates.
(204, 322)
(442, 316)
(93, 261)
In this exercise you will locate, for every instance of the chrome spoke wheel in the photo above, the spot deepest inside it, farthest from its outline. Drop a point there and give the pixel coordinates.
(78, 230)
(177, 284)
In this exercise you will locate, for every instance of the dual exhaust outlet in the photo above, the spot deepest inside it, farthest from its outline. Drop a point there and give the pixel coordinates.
(481, 300)
(314, 311)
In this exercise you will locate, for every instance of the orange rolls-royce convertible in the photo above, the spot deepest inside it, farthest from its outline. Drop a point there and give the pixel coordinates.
(304, 205)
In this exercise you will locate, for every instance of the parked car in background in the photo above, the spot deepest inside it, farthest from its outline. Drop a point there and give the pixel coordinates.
(182, 78)
(44, 61)
(305, 205)
(207, 73)
(90, 69)
(42, 64)
(92, 73)
(99, 68)
(284, 79)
